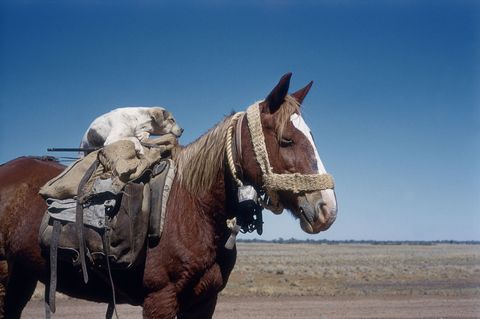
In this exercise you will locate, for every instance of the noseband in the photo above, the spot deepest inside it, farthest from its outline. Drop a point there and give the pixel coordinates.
(272, 182)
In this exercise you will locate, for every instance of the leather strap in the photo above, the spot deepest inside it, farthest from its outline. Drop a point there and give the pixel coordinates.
(51, 287)
(237, 150)
(110, 310)
(79, 218)
(48, 312)
(238, 137)
(106, 249)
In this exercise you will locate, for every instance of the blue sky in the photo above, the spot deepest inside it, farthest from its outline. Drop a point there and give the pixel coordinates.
(394, 108)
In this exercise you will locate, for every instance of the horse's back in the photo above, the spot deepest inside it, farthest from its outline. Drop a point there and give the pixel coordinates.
(21, 179)
(25, 166)
(21, 208)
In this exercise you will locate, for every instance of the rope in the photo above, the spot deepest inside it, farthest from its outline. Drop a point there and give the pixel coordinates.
(258, 140)
(299, 183)
(273, 182)
(231, 163)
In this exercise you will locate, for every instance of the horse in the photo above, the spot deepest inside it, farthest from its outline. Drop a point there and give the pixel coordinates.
(268, 147)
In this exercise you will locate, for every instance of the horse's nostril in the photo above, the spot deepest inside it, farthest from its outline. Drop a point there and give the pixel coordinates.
(322, 212)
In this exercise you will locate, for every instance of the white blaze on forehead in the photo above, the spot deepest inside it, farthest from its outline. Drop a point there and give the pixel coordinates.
(328, 195)
(300, 124)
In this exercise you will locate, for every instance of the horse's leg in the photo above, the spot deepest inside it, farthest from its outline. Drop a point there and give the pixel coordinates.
(20, 288)
(3, 286)
(161, 304)
(201, 303)
(3, 277)
(202, 310)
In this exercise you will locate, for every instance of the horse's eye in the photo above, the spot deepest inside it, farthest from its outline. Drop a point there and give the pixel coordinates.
(285, 142)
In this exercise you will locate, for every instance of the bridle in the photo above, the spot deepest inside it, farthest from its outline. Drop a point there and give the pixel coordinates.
(272, 182)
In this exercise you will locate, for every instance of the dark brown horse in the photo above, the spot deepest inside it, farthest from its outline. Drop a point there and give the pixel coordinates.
(183, 275)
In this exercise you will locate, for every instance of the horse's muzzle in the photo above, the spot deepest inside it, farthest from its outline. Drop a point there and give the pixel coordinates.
(317, 211)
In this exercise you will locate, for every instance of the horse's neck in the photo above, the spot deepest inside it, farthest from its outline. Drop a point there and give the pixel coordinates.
(202, 190)
(200, 218)
(201, 166)
(215, 202)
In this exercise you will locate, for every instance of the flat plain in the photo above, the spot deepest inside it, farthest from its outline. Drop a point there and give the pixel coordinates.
(356, 270)
(333, 281)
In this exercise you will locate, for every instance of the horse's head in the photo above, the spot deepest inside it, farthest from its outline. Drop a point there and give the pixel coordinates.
(291, 172)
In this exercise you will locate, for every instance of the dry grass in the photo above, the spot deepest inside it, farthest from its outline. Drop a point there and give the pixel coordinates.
(336, 281)
(355, 270)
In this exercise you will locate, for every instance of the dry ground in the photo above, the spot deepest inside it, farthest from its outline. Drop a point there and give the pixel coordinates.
(334, 281)
(356, 270)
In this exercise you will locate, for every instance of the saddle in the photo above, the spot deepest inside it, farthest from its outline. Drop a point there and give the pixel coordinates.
(105, 227)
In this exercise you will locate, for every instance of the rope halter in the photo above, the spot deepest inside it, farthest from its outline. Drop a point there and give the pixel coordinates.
(272, 182)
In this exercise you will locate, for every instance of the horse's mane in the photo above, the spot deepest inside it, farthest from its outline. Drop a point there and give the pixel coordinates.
(200, 162)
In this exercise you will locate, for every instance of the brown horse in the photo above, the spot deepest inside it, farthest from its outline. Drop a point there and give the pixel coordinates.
(184, 273)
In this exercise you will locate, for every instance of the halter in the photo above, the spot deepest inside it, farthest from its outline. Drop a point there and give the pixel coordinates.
(272, 182)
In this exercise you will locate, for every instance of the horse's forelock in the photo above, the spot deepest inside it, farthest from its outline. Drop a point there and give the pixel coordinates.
(282, 116)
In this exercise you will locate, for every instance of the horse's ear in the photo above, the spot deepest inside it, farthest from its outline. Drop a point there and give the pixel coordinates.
(300, 94)
(276, 98)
